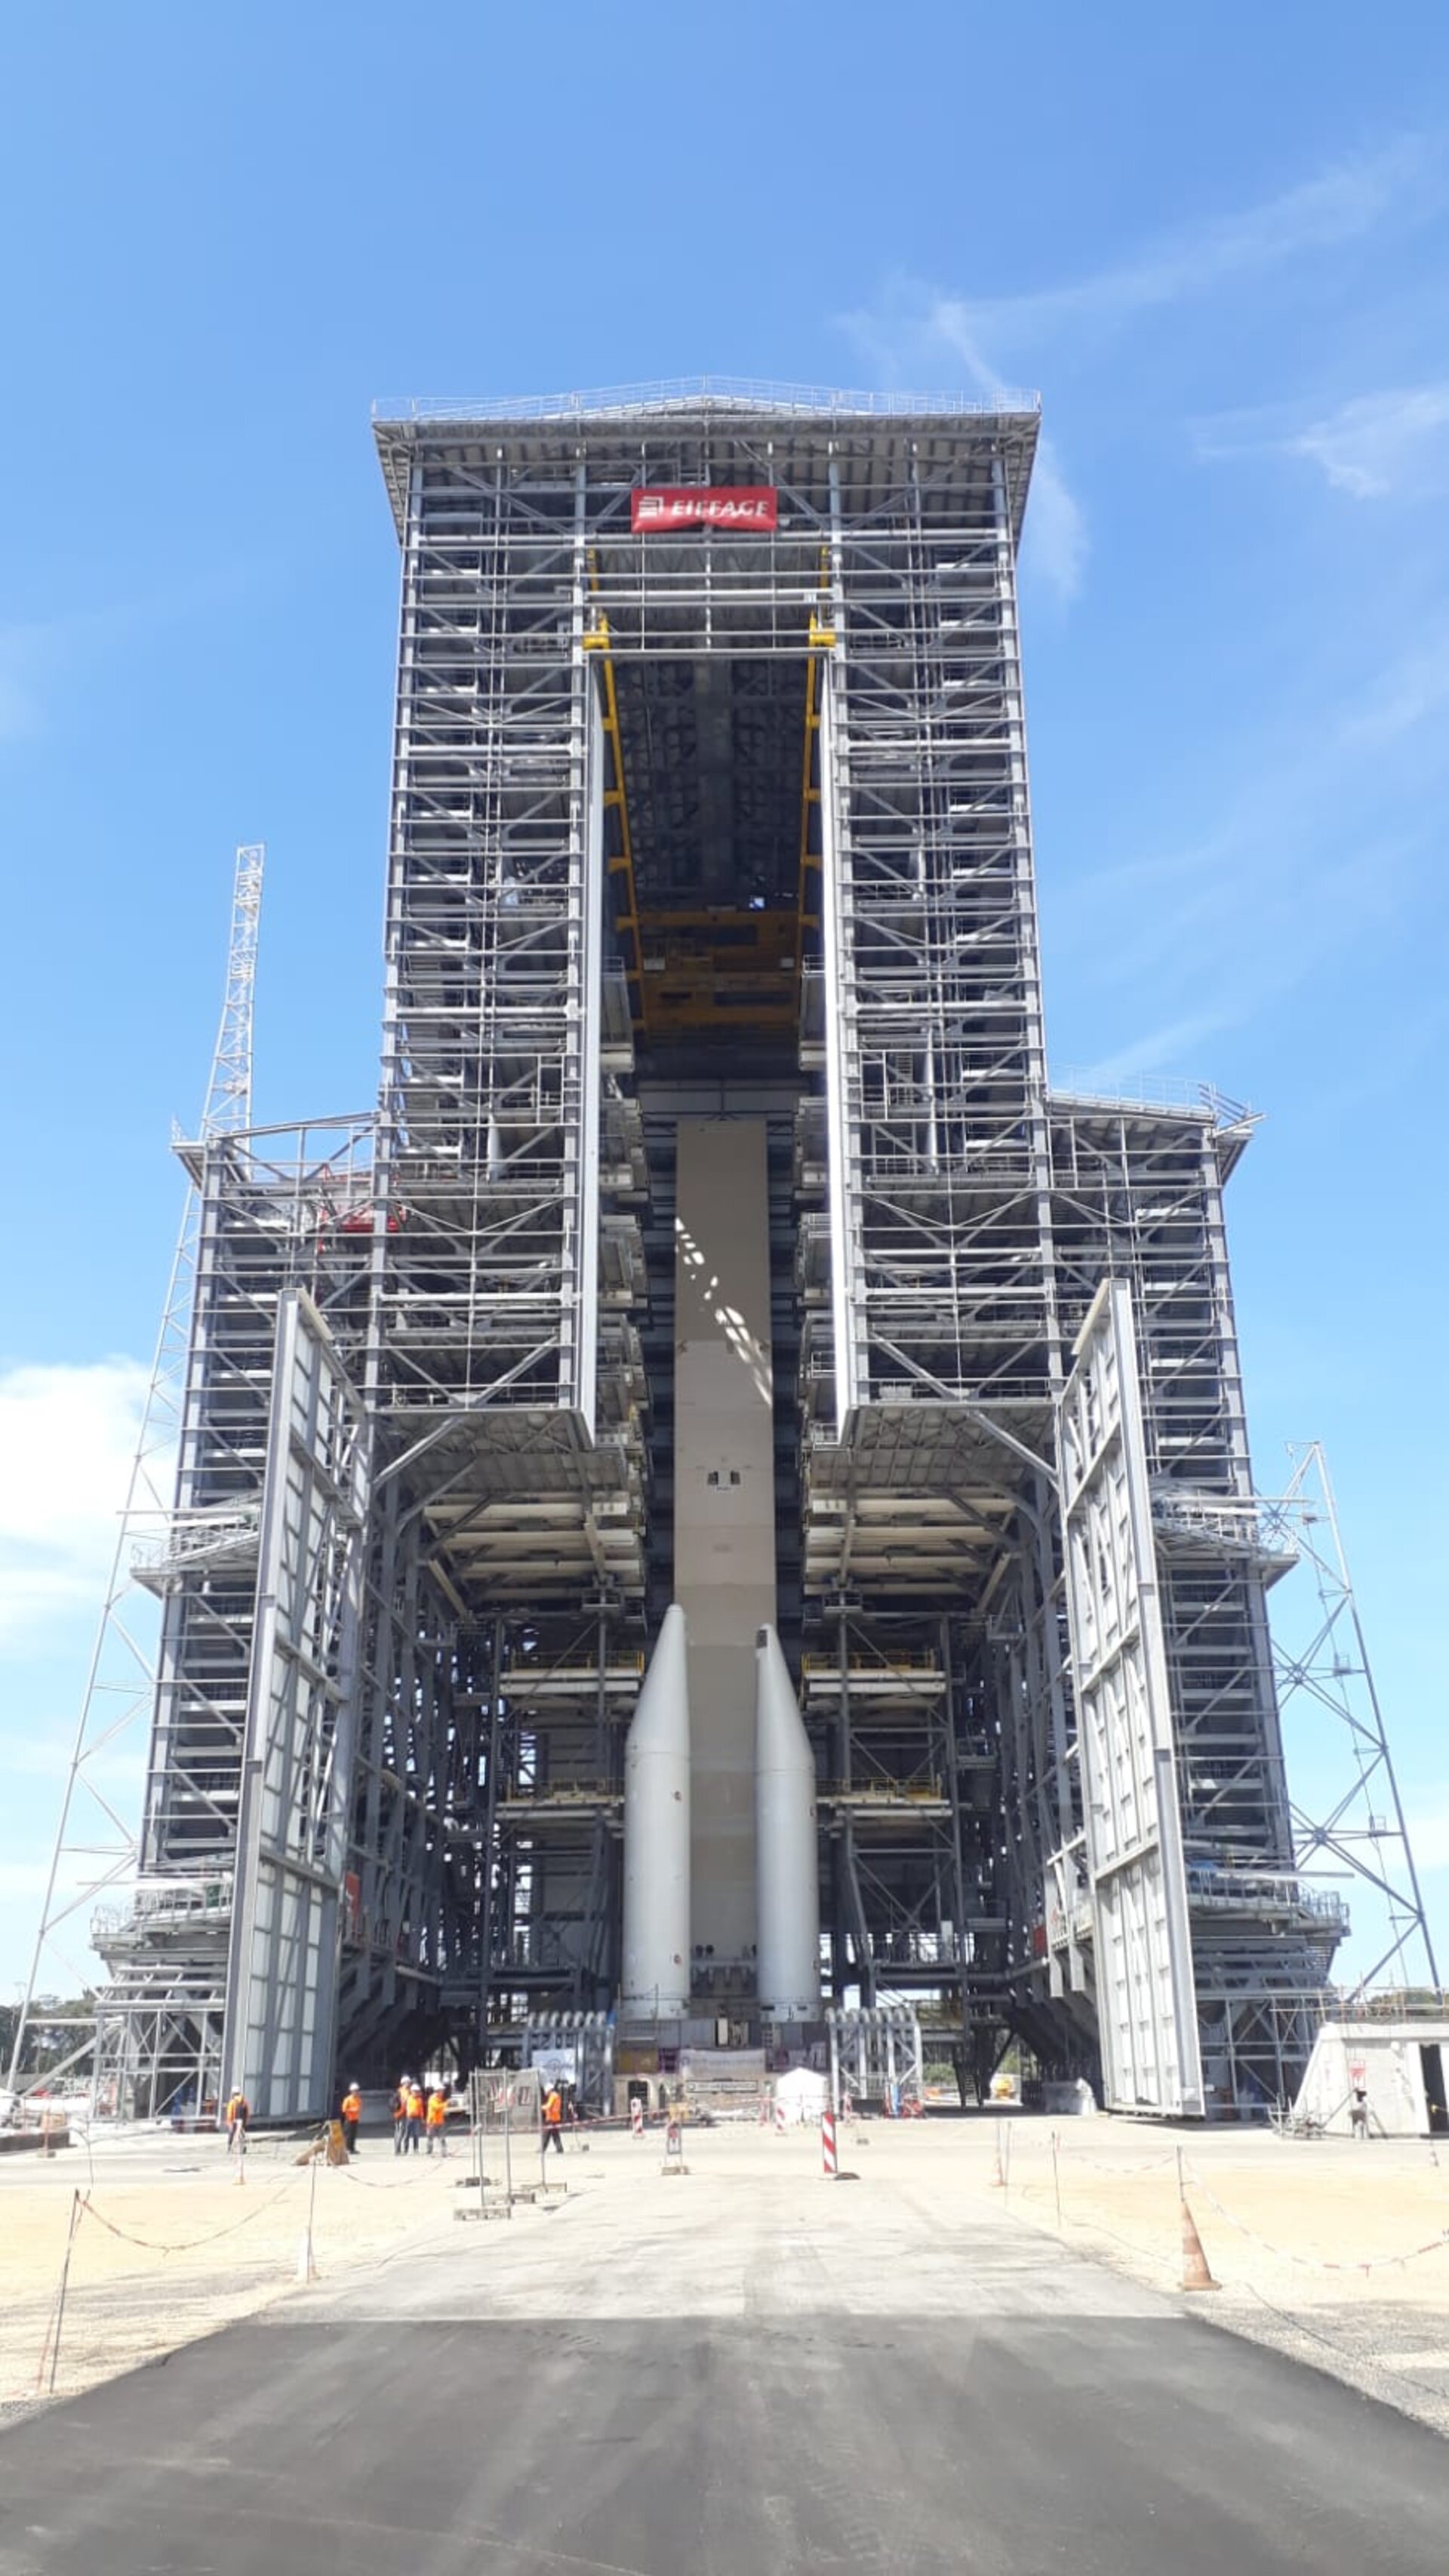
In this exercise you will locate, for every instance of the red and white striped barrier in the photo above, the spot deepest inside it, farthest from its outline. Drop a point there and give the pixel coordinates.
(779, 2119)
(828, 2160)
(636, 2117)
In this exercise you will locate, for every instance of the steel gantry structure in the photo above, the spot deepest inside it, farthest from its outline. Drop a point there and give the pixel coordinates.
(719, 1240)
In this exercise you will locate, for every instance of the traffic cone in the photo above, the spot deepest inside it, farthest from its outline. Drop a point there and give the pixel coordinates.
(1195, 2273)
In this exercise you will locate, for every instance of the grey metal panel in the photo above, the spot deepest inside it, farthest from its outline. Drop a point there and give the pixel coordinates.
(297, 1769)
(724, 1501)
(1145, 1998)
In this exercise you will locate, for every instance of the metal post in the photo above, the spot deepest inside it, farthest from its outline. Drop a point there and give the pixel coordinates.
(76, 2208)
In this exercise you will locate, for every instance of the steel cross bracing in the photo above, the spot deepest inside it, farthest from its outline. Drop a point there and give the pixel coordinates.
(229, 1097)
(1137, 1195)
(926, 1278)
(96, 1849)
(1352, 1830)
(276, 1210)
(931, 1138)
(598, 740)
(502, 1303)
(284, 1212)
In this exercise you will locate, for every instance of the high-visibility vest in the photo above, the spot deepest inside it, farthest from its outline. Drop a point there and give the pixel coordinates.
(553, 2110)
(415, 2104)
(437, 2110)
(352, 2106)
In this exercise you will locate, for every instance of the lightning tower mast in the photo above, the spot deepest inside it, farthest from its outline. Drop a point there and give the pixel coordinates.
(96, 1848)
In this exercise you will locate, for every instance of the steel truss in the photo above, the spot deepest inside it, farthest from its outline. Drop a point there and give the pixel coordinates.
(365, 1782)
(825, 726)
(1355, 1832)
(163, 2049)
(1137, 1196)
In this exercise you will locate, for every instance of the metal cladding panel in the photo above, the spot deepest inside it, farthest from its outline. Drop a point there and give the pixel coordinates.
(297, 1770)
(1146, 2004)
(724, 1500)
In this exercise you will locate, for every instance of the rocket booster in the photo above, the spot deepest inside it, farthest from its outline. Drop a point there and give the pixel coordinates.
(656, 1831)
(789, 1883)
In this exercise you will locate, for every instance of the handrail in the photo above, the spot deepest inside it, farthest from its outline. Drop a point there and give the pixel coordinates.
(744, 393)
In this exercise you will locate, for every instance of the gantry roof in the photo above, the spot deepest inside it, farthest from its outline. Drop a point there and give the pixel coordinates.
(633, 429)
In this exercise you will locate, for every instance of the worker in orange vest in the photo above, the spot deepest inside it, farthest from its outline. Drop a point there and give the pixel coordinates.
(351, 2114)
(238, 2112)
(438, 2120)
(414, 2121)
(553, 2120)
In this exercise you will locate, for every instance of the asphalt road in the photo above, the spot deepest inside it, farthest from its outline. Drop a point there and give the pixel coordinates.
(756, 2380)
(716, 2447)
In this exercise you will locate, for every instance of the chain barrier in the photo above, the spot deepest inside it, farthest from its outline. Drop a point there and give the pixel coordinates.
(188, 2244)
(1278, 2253)
(1317, 2262)
(430, 2166)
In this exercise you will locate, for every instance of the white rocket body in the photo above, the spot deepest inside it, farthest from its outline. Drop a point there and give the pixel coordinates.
(786, 1849)
(656, 1832)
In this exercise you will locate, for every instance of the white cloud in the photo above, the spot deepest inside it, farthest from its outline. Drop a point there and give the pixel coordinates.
(1392, 445)
(1323, 213)
(1413, 690)
(24, 1877)
(67, 1439)
(915, 323)
(1168, 1049)
(1429, 1828)
(1383, 442)
(1055, 540)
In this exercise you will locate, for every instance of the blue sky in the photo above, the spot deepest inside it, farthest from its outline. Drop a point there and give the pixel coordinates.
(1219, 244)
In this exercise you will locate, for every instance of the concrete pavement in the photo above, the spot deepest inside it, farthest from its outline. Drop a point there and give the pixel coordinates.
(747, 2369)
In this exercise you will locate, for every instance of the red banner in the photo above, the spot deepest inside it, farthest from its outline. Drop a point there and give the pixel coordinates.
(751, 510)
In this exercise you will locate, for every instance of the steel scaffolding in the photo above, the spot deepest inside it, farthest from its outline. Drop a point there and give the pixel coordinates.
(164, 2045)
(723, 821)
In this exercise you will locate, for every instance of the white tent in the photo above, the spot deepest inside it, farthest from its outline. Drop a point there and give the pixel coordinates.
(803, 2093)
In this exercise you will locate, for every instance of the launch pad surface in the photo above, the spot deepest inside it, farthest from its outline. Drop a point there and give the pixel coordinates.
(757, 2368)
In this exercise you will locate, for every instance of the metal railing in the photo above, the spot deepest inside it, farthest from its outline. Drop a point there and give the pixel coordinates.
(745, 393)
(1257, 1891)
(202, 1901)
(1102, 1090)
(197, 1538)
(1258, 1522)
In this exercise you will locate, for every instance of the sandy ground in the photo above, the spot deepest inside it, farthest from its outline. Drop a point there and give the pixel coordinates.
(1335, 2252)
(1331, 2250)
(170, 2244)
